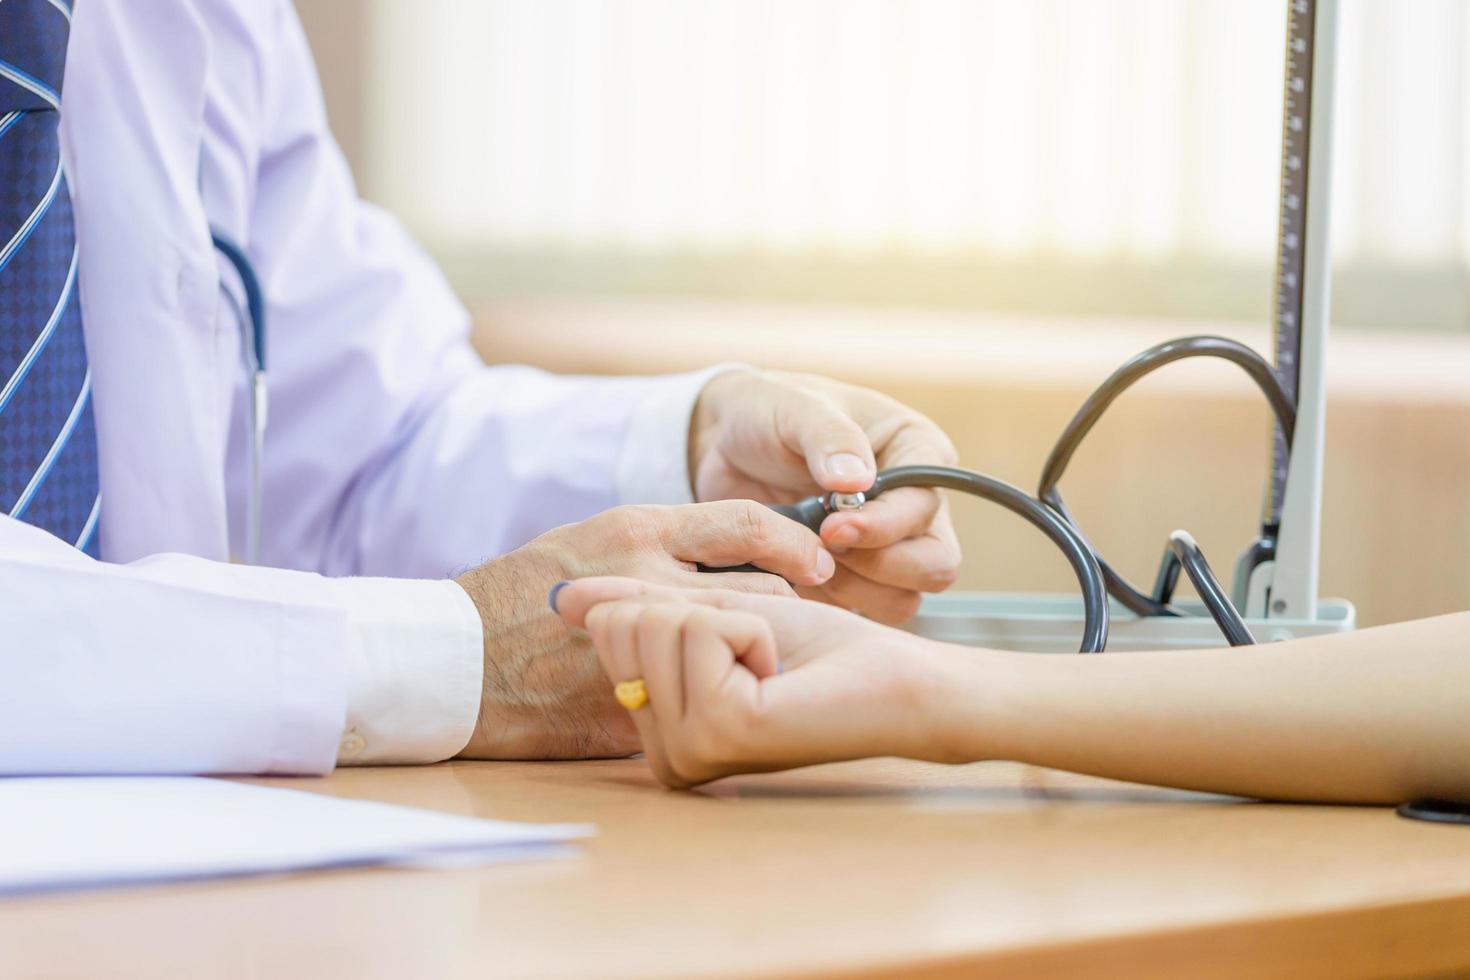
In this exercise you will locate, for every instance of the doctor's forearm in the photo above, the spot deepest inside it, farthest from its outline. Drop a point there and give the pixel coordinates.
(1377, 716)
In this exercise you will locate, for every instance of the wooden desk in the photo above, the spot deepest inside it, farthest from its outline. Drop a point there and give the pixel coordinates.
(877, 868)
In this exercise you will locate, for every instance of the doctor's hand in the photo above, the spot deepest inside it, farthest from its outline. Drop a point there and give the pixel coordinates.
(749, 683)
(778, 437)
(544, 694)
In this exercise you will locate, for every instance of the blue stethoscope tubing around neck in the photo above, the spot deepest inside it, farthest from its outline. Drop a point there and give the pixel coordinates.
(253, 352)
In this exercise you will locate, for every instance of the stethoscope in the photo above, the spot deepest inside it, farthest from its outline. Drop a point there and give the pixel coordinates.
(252, 351)
(1047, 511)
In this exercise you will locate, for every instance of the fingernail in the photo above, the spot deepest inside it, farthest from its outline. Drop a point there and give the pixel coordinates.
(847, 466)
(845, 537)
(551, 596)
(826, 565)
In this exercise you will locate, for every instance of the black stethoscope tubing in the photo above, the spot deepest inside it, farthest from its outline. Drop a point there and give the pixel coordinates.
(1048, 512)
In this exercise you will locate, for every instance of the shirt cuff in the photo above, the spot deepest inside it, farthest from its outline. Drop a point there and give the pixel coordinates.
(654, 465)
(415, 657)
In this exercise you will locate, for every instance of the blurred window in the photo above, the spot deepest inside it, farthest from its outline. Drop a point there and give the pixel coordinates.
(1109, 156)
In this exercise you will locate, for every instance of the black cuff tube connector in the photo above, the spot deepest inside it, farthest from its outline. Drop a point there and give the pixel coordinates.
(1183, 552)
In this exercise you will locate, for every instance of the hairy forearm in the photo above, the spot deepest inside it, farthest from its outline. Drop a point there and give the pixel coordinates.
(1376, 716)
(544, 694)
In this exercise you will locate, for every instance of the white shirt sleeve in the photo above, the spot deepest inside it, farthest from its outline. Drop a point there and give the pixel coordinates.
(174, 664)
(415, 660)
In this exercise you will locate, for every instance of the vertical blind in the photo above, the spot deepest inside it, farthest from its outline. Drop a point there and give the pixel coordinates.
(1140, 129)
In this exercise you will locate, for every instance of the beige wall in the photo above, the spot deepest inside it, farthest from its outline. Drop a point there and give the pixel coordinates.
(1186, 449)
(338, 33)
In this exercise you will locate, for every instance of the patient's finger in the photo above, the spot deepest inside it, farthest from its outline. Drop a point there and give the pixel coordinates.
(748, 637)
(658, 647)
(574, 600)
(613, 628)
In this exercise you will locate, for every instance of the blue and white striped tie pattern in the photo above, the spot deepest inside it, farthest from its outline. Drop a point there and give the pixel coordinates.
(48, 443)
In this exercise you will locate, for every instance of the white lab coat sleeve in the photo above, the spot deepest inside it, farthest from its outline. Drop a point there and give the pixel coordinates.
(175, 664)
(392, 449)
(654, 466)
(172, 664)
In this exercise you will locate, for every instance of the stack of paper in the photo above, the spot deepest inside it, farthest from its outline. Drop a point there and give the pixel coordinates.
(69, 832)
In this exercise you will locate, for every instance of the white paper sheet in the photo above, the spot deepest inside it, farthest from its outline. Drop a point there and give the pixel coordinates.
(85, 832)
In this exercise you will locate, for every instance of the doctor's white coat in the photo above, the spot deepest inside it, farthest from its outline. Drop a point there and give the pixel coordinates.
(392, 450)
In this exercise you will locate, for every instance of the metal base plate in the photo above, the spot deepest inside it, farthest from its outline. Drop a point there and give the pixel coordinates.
(1053, 624)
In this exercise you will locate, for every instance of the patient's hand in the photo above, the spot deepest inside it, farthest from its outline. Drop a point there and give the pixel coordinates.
(749, 683)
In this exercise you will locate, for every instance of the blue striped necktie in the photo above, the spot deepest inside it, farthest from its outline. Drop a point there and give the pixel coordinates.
(48, 444)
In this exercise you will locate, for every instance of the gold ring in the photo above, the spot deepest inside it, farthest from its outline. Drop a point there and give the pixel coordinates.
(631, 694)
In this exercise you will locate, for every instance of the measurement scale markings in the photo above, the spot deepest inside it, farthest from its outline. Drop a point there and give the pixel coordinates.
(1296, 131)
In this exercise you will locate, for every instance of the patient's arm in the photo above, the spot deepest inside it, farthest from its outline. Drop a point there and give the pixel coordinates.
(1377, 716)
